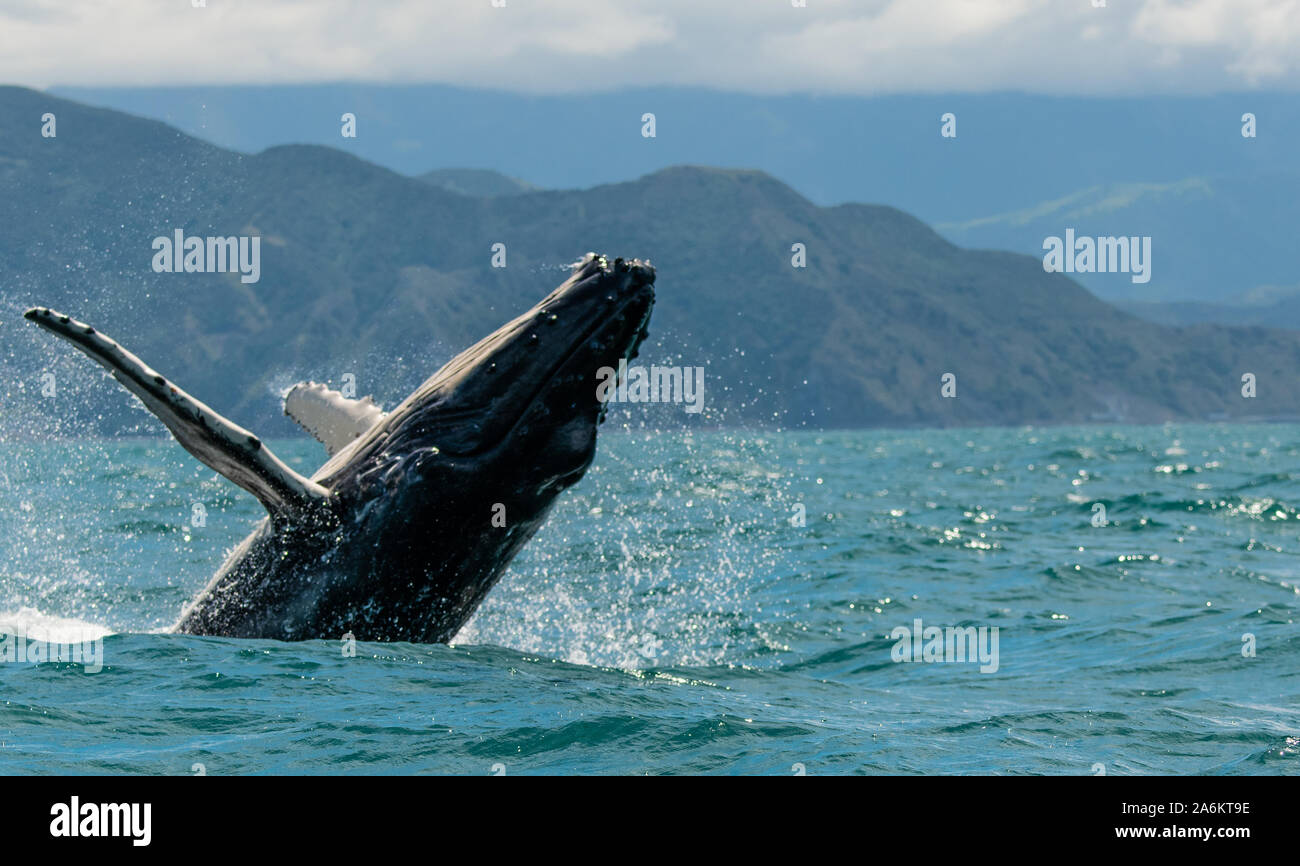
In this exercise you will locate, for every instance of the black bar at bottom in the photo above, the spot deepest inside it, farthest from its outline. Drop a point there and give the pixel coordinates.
(216, 814)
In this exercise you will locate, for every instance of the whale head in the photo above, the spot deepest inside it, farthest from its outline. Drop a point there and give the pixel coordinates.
(443, 492)
(524, 400)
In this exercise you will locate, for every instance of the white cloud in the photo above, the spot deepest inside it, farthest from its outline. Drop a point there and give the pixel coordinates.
(867, 46)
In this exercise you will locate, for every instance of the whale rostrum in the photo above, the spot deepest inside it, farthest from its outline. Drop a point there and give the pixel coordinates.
(417, 512)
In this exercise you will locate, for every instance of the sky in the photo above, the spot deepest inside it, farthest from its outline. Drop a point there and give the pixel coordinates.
(866, 47)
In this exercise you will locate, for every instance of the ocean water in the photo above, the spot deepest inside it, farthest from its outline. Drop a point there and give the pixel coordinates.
(674, 616)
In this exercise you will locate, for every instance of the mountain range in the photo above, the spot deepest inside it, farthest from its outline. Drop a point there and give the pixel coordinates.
(1220, 207)
(375, 275)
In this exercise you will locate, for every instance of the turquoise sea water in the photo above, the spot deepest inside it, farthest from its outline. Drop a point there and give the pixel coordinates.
(672, 618)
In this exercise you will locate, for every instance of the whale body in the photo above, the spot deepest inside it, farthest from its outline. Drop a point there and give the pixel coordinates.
(417, 512)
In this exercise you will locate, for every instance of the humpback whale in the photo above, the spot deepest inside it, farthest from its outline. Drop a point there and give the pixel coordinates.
(417, 511)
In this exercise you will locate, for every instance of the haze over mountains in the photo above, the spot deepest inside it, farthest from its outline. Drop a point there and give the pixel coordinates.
(382, 276)
(476, 182)
(1221, 209)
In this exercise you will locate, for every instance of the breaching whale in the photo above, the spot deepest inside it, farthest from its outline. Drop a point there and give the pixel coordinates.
(394, 537)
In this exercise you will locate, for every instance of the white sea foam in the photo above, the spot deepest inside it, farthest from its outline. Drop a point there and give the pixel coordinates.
(46, 627)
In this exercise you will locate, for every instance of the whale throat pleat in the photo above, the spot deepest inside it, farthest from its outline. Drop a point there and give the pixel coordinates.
(333, 419)
(217, 442)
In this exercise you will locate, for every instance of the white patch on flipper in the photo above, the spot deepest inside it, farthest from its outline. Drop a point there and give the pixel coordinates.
(333, 419)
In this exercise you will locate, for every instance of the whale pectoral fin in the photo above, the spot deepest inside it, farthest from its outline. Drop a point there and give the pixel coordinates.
(214, 440)
(333, 419)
